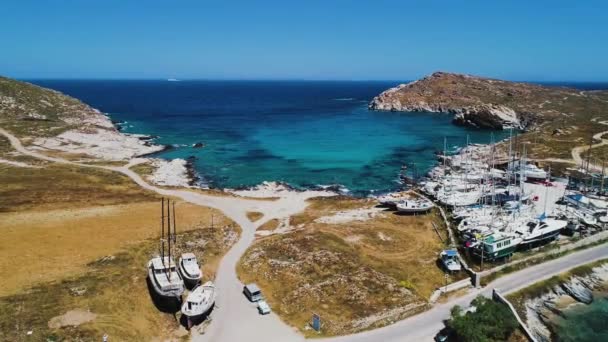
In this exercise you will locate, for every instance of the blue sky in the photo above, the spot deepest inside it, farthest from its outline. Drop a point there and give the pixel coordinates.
(330, 39)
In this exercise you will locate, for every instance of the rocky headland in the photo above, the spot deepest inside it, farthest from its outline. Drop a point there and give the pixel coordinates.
(483, 102)
(49, 121)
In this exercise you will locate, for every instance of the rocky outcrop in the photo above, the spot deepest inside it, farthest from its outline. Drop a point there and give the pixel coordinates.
(540, 311)
(475, 101)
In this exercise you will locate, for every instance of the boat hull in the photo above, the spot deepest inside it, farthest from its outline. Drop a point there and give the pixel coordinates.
(188, 278)
(159, 292)
(505, 252)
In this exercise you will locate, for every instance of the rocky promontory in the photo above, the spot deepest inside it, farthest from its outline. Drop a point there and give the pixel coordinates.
(477, 101)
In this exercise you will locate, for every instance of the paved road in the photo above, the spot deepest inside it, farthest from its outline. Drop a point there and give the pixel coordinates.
(234, 319)
(237, 320)
(424, 326)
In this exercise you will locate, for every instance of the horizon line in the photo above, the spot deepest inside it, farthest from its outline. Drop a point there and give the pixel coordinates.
(177, 80)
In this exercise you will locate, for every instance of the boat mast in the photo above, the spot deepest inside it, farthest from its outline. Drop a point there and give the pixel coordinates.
(445, 147)
(602, 183)
(169, 237)
(174, 226)
(162, 229)
(522, 176)
(510, 153)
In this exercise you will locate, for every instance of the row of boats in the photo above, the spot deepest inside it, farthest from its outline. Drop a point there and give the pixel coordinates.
(170, 281)
(493, 208)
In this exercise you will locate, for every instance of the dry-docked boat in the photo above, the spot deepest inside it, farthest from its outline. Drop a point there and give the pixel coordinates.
(449, 260)
(189, 268)
(162, 271)
(418, 205)
(199, 302)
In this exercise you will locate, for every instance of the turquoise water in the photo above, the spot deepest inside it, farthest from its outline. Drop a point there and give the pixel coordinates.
(585, 322)
(302, 133)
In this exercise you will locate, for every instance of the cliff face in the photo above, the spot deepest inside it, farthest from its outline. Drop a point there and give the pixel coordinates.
(476, 101)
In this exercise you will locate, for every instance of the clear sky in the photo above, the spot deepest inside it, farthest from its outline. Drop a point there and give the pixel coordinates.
(304, 39)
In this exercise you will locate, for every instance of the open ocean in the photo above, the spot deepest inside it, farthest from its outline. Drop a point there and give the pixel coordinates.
(304, 133)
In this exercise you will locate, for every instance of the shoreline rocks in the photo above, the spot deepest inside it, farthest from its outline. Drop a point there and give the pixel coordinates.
(540, 312)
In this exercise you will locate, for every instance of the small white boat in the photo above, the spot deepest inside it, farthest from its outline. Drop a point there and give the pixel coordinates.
(449, 259)
(189, 269)
(393, 198)
(199, 302)
(414, 206)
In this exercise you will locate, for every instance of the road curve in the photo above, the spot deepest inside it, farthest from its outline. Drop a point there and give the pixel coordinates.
(424, 326)
(237, 320)
(577, 151)
(231, 306)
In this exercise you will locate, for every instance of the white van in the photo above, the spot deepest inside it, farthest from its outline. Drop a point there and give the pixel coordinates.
(252, 292)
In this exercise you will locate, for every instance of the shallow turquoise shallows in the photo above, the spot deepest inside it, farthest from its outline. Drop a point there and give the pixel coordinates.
(302, 133)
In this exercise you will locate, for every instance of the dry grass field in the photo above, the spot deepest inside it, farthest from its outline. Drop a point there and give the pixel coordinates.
(357, 275)
(75, 241)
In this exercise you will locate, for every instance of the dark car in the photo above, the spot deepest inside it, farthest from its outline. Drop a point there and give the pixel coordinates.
(445, 335)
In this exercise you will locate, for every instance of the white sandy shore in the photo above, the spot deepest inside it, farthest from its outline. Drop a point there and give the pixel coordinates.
(96, 136)
(279, 190)
(170, 172)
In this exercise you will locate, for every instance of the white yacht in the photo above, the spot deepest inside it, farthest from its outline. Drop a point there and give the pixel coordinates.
(418, 205)
(199, 302)
(540, 230)
(393, 198)
(189, 268)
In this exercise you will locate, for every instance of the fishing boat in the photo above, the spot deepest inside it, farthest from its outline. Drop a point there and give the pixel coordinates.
(165, 279)
(189, 268)
(199, 302)
(420, 205)
(162, 271)
(496, 246)
(449, 260)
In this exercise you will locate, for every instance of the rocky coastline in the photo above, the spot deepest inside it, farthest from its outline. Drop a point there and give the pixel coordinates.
(541, 312)
(473, 101)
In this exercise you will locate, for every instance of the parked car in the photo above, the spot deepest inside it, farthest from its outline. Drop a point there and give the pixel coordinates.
(445, 335)
(252, 292)
(263, 307)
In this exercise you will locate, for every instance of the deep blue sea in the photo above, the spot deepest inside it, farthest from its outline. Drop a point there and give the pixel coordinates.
(304, 133)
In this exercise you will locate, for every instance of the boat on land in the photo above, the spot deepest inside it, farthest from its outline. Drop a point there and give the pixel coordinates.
(449, 260)
(162, 271)
(496, 246)
(189, 268)
(419, 205)
(393, 198)
(540, 231)
(199, 302)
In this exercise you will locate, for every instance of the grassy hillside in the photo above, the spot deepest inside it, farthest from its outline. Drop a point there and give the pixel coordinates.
(33, 111)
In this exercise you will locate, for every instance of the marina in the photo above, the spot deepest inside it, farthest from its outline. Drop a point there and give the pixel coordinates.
(501, 203)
